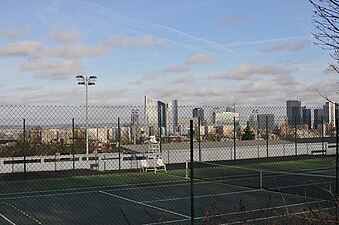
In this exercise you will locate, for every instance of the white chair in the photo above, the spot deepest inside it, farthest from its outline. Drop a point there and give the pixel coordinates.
(160, 165)
(153, 148)
(144, 165)
(152, 139)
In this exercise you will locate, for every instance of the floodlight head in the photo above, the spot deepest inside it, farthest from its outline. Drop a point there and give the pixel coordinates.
(79, 77)
(91, 80)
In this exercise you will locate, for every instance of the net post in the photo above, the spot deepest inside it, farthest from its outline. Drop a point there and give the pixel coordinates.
(261, 186)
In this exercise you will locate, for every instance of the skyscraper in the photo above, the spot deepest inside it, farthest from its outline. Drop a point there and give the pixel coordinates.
(134, 124)
(330, 113)
(306, 117)
(213, 113)
(318, 118)
(265, 120)
(293, 112)
(172, 116)
(199, 112)
(151, 111)
(161, 115)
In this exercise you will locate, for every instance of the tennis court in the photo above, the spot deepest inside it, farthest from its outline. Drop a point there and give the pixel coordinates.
(234, 194)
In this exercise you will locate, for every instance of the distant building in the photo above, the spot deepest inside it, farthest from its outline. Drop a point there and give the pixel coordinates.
(161, 115)
(151, 111)
(172, 116)
(265, 120)
(306, 117)
(199, 113)
(227, 118)
(135, 124)
(252, 122)
(329, 110)
(213, 112)
(318, 115)
(294, 112)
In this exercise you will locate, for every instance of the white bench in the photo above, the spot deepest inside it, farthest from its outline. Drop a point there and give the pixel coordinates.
(158, 164)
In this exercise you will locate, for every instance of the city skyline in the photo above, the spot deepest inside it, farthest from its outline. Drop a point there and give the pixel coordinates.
(199, 52)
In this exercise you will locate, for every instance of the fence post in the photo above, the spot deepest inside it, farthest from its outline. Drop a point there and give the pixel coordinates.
(295, 136)
(266, 136)
(336, 171)
(234, 140)
(118, 139)
(322, 135)
(199, 122)
(192, 172)
(73, 144)
(25, 147)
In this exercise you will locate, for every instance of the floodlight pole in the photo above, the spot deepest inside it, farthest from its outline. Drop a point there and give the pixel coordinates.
(86, 84)
(86, 81)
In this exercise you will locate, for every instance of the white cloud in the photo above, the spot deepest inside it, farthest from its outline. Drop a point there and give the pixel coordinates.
(285, 80)
(51, 69)
(178, 68)
(247, 71)
(287, 47)
(64, 36)
(185, 79)
(25, 48)
(12, 34)
(122, 41)
(198, 59)
(260, 87)
(75, 51)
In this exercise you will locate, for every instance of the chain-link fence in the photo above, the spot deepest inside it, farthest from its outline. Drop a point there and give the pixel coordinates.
(152, 165)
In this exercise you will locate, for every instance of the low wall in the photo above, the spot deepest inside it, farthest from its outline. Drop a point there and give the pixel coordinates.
(110, 161)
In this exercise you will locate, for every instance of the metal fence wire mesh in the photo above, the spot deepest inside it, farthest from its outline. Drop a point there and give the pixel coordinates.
(151, 165)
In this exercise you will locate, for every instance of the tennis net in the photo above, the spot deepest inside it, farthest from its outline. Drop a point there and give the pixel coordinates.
(310, 183)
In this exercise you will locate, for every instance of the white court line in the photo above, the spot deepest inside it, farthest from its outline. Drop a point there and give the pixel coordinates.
(279, 216)
(86, 190)
(8, 220)
(295, 185)
(248, 211)
(202, 196)
(144, 204)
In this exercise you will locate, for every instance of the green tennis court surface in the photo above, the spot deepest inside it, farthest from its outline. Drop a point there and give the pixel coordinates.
(223, 194)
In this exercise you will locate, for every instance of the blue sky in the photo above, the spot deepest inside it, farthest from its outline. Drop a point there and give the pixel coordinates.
(201, 52)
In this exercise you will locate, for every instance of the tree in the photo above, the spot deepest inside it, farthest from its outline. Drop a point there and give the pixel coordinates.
(326, 22)
(248, 134)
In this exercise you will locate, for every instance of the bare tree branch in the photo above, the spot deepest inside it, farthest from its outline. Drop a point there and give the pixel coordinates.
(326, 22)
(324, 96)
